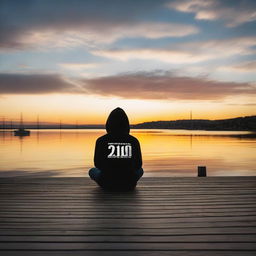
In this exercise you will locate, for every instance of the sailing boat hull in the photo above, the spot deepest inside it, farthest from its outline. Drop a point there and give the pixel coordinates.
(21, 133)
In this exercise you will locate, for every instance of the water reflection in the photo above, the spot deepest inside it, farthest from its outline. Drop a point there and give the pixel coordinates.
(165, 152)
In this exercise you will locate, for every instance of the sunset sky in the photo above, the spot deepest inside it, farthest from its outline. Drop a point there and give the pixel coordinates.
(157, 59)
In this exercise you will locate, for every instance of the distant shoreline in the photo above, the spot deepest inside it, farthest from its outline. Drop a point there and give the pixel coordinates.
(103, 128)
(247, 123)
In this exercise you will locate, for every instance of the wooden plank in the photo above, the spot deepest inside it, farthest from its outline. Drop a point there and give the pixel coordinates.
(109, 215)
(220, 238)
(194, 197)
(132, 232)
(107, 224)
(152, 212)
(68, 246)
(101, 208)
(129, 253)
(148, 194)
(143, 221)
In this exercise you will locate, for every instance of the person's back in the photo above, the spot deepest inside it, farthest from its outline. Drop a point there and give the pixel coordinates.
(117, 155)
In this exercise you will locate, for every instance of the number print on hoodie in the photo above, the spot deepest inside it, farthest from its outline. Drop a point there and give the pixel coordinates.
(119, 150)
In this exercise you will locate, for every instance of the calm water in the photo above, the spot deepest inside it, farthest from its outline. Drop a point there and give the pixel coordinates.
(165, 152)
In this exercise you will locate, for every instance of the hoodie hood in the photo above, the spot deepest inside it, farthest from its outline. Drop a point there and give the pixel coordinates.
(118, 122)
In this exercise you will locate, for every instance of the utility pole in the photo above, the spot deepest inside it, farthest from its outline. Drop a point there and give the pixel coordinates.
(37, 122)
(191, 118)
(21, 121)
(3, 123)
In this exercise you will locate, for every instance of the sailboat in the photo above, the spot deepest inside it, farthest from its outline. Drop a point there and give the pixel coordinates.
(21, 131)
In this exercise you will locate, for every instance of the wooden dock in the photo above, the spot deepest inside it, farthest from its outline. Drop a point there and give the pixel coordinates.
(163, 216)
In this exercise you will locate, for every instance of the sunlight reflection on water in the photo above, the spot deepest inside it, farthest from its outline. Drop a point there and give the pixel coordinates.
(165, 152)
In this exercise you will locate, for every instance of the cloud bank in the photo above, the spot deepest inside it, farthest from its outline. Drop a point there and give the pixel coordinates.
(164, 86)
(187, 52)
(233, 15)
(29, 24)
(156, 85)
(34, 84)
(249, 66)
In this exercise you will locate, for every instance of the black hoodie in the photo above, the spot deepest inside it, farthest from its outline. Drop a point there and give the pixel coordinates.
(117, 154)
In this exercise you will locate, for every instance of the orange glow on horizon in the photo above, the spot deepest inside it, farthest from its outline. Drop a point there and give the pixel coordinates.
(101, 120)
(95, 110)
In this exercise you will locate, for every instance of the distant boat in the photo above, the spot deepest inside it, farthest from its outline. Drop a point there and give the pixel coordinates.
(21, 131)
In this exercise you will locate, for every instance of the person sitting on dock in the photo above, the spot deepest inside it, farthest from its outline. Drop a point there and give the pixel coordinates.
(117, 157)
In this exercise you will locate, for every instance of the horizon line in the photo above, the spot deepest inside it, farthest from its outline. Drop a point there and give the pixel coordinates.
(11, 122)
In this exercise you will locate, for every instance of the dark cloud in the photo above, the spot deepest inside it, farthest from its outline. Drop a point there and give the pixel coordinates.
(34, 84)
(154, 85)
(165, 86)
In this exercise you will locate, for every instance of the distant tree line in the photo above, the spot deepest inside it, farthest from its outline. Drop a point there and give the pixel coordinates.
(247, 123)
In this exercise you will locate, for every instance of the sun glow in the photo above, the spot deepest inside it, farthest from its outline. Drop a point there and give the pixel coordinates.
(95, 110)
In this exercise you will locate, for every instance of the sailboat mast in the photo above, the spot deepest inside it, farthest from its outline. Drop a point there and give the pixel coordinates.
(3, 123)
(37, 122)
(21, 121)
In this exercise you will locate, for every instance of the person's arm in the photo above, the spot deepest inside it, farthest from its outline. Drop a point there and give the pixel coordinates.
(98, 155)
(137, 157)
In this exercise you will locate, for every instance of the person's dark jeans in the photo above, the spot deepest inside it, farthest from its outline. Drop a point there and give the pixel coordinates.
(96, 175)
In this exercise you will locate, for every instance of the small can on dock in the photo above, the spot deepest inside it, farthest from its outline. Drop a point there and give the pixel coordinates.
(202, 171)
